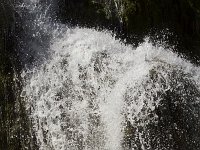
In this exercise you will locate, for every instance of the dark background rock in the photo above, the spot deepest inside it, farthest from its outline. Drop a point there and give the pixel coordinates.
(14, 124)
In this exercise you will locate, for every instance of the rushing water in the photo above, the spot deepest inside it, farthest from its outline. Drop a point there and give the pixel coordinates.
(92, 92)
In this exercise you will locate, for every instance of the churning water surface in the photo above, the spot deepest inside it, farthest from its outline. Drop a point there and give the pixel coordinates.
(93, 92)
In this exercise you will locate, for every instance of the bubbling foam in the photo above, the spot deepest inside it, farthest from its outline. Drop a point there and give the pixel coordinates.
(95, 92)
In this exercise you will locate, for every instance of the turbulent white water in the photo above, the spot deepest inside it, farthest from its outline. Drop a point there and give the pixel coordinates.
(93, 89)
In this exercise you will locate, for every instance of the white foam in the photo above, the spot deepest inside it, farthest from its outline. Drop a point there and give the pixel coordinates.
(86, 79)
(91, 84)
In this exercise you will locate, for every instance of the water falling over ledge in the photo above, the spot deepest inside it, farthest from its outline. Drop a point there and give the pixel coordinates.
(94, 92)
(93, 85)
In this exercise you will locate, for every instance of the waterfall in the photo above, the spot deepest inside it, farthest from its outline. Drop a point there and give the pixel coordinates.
(93, 92)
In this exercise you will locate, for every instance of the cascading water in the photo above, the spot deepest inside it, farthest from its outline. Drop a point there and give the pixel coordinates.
(94, 92)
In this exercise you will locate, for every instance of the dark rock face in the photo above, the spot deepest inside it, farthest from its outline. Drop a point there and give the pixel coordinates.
(81, 12)
(14, 124)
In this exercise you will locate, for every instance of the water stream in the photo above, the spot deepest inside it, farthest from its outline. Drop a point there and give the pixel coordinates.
(91, 91)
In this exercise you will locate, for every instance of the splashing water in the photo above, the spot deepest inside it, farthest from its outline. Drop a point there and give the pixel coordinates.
(94, 92)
